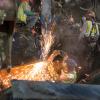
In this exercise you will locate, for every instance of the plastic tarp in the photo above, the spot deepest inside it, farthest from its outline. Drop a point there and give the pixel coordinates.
(56, 91)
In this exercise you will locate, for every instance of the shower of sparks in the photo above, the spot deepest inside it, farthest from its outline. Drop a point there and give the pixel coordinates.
(37, 69)
(46, 43)
(40, 71)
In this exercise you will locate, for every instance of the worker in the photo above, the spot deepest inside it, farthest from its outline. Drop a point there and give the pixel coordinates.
(24, 10)
(71, 69)
(88, 38)
(89, 30)
(89, 34)
(64, 66)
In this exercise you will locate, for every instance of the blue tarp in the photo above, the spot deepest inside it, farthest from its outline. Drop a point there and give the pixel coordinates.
(55, 91)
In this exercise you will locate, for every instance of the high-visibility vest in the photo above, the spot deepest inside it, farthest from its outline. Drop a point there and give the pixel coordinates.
(21, 12)
(93, 30)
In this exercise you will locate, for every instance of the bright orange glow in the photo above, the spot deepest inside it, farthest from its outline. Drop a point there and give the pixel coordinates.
(40, 71)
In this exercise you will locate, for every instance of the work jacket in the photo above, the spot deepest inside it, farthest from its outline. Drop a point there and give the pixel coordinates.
(89, 29)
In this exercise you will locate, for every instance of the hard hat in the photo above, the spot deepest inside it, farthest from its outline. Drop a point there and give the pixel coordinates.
(90, 14)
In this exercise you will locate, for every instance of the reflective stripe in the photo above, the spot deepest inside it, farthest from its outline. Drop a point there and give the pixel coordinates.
(88, 26)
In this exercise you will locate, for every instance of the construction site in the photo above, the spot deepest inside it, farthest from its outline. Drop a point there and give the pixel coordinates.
(49, 50)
